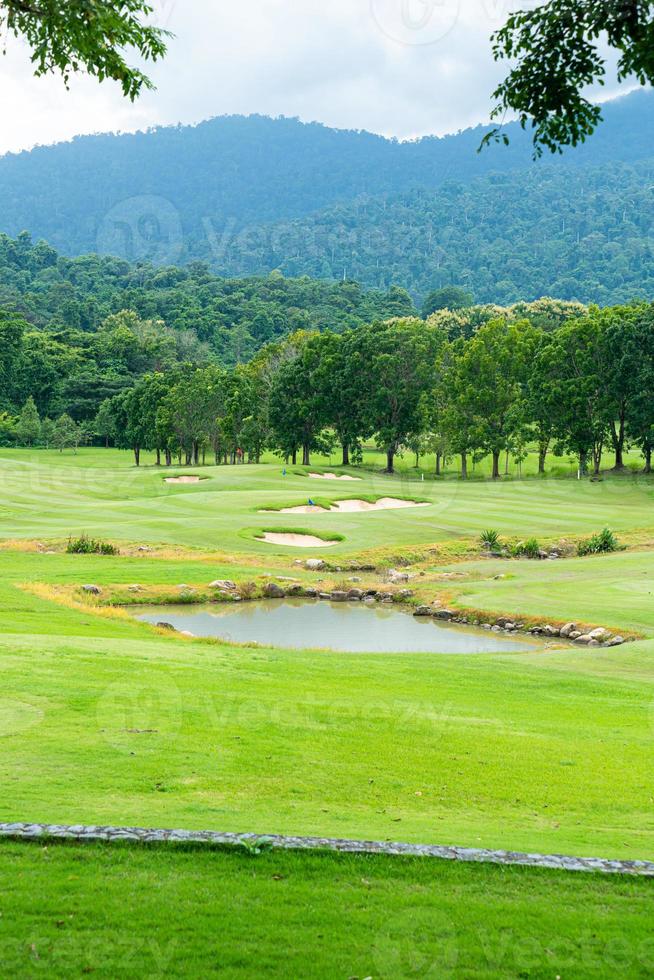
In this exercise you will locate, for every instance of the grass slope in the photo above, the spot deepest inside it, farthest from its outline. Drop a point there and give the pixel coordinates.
(184, 912)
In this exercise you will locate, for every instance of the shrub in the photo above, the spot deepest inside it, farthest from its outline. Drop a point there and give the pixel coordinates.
(527, 549)
(84, 545)
(490, 540)
(246, 590)
(599, 543)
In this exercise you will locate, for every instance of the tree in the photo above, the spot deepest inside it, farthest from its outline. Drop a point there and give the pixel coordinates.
(87, 36)
(12, 329)
(447, 298)
(28, 427)
(555, 51)
(47, 432)
(65, 433)
(105, 422)
(395, 367)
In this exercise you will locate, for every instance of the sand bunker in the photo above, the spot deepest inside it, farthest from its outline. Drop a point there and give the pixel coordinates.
(182, 479)
(296, 540)
(303, 509)
(351, 506)
(333, 476)
(384, 503)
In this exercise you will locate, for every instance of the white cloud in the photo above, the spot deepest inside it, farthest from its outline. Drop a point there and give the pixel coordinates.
(398, 67)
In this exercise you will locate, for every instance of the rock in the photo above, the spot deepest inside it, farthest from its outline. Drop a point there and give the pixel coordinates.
(574, 635)
(190, 636)
(355, 594)
(509, 627)
(166, 626)
(502, 621)
(584, 639)
(338, 596)
(144, 547)
(616, 641)
(355, 578)
(297, 591)
(600, 634)
(395, 576)
(551, 631)
(273, 591)
(543, 555)
(568, 629)
(443, 614)
(310, 593)
(223, 584)
(371, 593)
(314, 564)
(486, 626)
(92, 589)
(423, 611)
(133, 588)
(495, 629)
(286, 578)
(324, 595)
(594, 643)
(385, 596)
(369, 599)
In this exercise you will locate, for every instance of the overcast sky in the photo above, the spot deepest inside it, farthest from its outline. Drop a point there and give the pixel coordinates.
(398, 67)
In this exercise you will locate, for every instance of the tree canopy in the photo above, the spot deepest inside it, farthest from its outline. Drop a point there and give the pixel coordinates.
(87, 35)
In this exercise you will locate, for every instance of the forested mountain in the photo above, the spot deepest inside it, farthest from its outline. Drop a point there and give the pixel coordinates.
(251, 194)
(575, 234)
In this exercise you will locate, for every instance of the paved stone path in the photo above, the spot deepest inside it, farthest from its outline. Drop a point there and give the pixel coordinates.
(34, 831)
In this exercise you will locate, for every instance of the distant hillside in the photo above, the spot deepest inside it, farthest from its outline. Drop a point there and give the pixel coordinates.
(250, 194)
(575, 234)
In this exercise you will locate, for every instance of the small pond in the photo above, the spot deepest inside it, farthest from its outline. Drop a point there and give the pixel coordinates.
(350, 627)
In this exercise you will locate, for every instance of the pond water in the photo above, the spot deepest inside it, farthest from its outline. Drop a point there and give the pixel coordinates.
(350, 627)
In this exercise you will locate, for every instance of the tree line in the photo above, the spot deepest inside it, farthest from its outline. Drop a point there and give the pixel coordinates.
(580, 387)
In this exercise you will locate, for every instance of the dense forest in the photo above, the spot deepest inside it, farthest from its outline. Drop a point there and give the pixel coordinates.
(249, 195)
(464, 383)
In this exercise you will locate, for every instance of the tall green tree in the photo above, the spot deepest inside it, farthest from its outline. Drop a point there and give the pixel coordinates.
(28, 426)
(395, 366)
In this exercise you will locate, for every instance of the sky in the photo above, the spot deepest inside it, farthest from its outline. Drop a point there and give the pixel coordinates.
(401, 68)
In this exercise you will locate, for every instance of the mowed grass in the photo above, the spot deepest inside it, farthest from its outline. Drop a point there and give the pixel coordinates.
(188, 912)
(103, 720)
(47, 494)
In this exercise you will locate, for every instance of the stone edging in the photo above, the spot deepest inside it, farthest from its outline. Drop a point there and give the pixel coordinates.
(78, 832)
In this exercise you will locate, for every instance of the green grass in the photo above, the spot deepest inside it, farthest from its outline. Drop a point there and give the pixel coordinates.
(103, 720)
(188, 912)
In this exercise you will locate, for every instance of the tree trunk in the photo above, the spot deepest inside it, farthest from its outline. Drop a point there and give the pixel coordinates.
(390, 461)
(306, 455)
(506, 464)
(294, 457)
(158, 462)
(346, 454)
(188, 457)
(583, 462)
(464, 466)
(543, 446)
(204, 456)
(169, 457)
(417, 460)
(617, 438)
(496, 464)
(647, 452)
(137, 455)
(196, 454)
(438, 464)
(106, 442)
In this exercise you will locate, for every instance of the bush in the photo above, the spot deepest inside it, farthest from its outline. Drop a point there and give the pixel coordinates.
(84, 545)
(490, 540)
(527, 549)
(599, 544)
(246, 590)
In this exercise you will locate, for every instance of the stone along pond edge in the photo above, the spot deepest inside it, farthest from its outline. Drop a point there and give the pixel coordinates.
(255, 842)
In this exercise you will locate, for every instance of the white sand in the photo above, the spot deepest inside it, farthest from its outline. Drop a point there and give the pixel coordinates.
(384, 503)
(182, 479)
(333, 476)
(304, 509)
(349, 507)
(296, 540)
